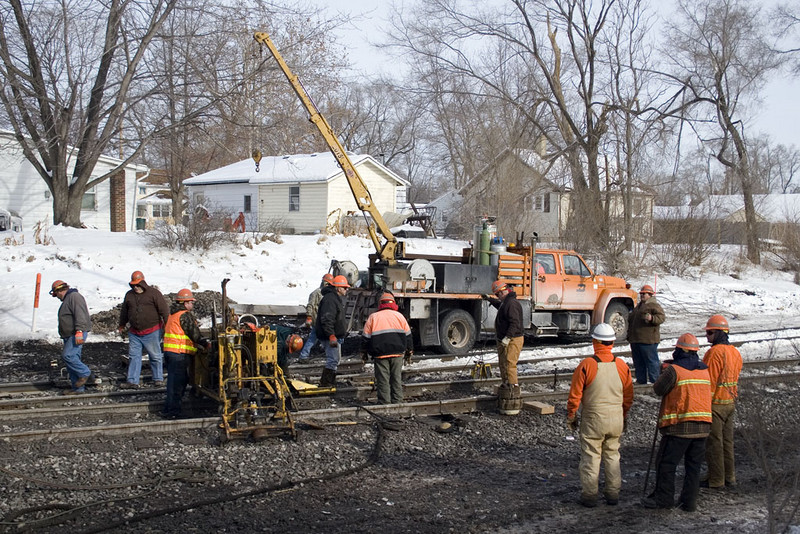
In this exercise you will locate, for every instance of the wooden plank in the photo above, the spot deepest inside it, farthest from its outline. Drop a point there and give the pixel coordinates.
(538, 407)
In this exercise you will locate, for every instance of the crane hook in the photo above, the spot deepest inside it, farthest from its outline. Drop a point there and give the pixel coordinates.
(257, 157)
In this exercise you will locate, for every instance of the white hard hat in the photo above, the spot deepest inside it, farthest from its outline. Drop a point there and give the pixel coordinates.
(604, 332)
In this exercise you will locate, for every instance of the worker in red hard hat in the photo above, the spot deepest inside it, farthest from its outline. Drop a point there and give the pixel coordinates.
(724, 365)
(144, 313)
(644, 334)
(312, 308)
(603, 389)
(182, 339)
(331, 327)
(74, 324)
(684, 422)
(387, 339)
(509, 333)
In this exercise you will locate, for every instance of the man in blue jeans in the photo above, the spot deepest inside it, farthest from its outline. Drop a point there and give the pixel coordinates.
(644, 334)
(146, 311)
(332, 327)
(74, 324)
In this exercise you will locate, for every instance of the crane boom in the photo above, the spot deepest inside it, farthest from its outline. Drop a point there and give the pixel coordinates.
(361, 194)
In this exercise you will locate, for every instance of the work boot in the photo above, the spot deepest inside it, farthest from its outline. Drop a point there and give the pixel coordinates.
(328, 378)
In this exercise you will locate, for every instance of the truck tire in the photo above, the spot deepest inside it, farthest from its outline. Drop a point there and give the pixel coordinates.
(617, 316)
(457, 332)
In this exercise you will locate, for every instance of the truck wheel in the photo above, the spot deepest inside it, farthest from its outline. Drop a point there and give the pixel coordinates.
(457, 332)
(617, 317)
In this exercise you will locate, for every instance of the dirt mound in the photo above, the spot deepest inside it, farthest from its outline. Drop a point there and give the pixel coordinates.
(106, 321)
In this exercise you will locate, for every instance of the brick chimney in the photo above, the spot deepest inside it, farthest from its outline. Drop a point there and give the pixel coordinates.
(117, 187)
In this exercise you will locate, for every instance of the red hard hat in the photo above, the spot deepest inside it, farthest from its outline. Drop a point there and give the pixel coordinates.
(184, 295)
(387, 297)
(327, 278)
(717, 322)
(58, 285)
(688, 342)
(647, 288)
(340, 281)
(498, 286)
(136, 277)
(294, 343)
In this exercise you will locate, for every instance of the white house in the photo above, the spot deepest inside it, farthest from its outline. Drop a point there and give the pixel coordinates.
(301, 193)
(106, 206)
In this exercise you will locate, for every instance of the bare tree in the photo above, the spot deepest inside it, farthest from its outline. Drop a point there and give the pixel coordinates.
(69, 68)
(719, 50)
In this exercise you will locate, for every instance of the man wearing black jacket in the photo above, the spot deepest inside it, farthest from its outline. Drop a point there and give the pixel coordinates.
(508, 330)
(331, 326)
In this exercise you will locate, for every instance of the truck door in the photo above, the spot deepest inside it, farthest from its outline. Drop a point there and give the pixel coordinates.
(580, 288)
(549, 285)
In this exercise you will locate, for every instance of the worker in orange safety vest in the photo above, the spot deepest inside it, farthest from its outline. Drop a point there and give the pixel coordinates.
(684, 423)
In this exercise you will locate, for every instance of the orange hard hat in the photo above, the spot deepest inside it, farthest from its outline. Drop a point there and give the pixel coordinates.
(647, 288)
(340, 281)
(184, 295)
(387, 297)
(498, 286)
(687, 341)
(136, 277)
(327, 278)
(717, 322)
(58, 285)
(294, 343)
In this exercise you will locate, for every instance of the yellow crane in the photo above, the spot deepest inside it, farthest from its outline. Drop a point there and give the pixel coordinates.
(387, 249)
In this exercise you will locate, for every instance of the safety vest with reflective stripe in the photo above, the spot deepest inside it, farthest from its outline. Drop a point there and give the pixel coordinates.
(387, 334)
(175, 339)
(724, 365)
(689, 400)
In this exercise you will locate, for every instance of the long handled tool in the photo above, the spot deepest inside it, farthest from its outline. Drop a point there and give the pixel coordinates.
(652, 451)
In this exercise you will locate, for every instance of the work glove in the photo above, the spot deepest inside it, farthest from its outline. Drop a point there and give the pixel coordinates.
(308, 320)
(79, 337)
(364, 356)
(505, 341)
(332, 341)
(205, 343)
(408, 355)
(572, 423)
(485, 297)
(648, 317)
(121, 330)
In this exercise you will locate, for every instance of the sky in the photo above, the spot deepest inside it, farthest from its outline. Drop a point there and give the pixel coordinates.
(779, 112)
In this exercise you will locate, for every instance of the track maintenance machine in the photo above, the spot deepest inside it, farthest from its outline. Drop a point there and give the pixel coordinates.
(441, 295)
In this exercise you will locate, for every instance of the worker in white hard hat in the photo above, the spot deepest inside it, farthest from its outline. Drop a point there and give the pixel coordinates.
(603, 388)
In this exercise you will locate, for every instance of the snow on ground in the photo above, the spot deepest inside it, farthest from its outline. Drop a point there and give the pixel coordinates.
(100, 263)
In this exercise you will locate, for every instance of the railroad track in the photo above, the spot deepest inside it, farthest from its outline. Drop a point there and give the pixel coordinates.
(471, 393)
(341, 415)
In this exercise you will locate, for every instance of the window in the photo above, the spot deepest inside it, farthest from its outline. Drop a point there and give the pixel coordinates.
(547, 262)
(88, 200)
(294, 198)
(247, 203)
(161, 210)
(575, 267)
(141, 211)
(541, 203)
(142, 190)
